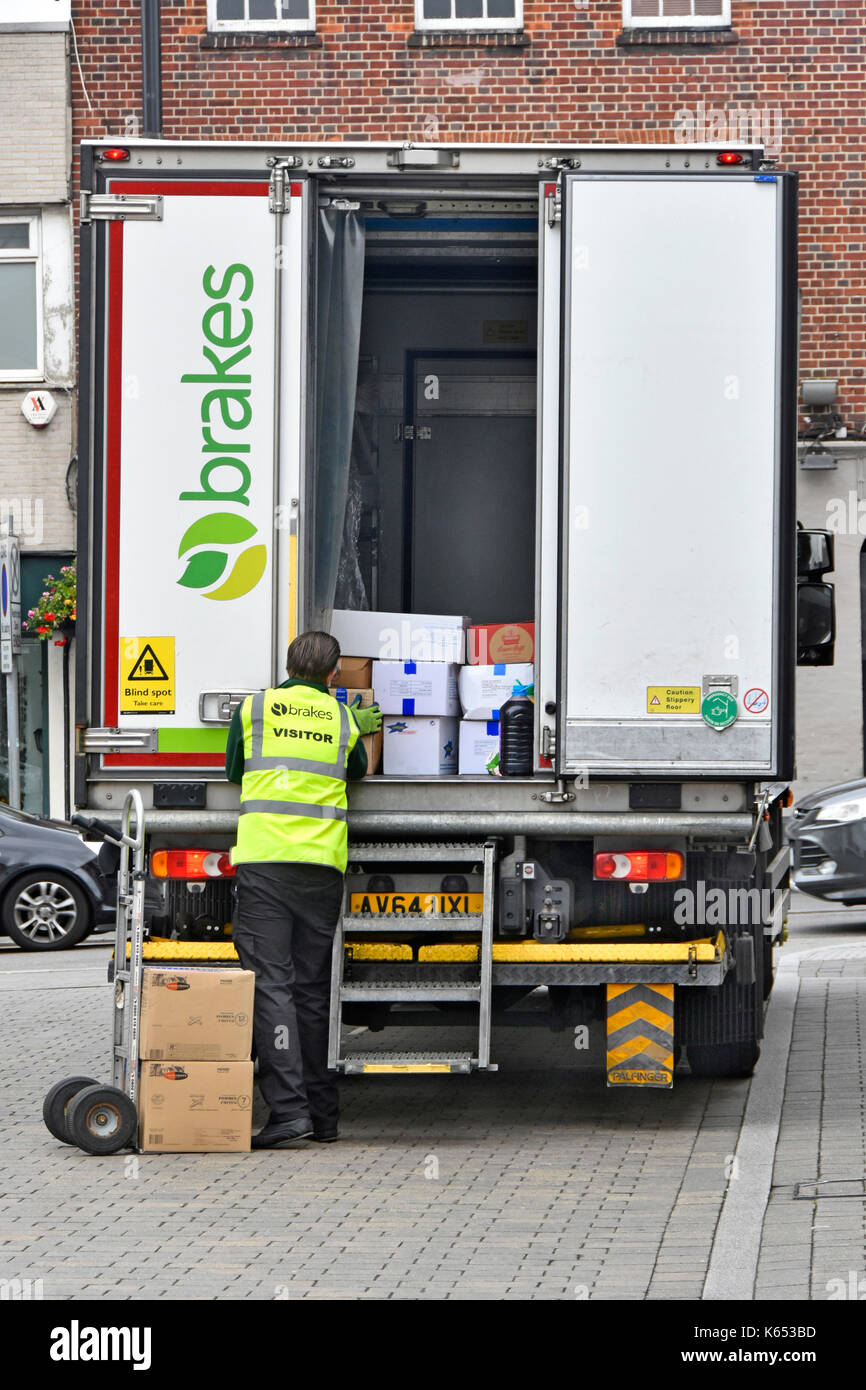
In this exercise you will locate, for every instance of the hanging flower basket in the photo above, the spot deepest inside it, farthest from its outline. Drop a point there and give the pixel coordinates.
(56, 609)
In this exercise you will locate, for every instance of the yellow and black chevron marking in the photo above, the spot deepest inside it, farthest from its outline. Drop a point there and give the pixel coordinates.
(640, 1035)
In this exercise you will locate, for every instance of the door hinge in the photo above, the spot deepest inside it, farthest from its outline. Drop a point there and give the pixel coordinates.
(336, 161)
(404, 434)
(119, 207)
(548, 741)
(553, 206)
(279, 186)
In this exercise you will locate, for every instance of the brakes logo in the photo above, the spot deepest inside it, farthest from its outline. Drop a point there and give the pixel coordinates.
(299, 711)
(219, 560)
(206, 566)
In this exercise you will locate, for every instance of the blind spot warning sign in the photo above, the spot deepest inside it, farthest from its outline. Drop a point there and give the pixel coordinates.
(147, 675)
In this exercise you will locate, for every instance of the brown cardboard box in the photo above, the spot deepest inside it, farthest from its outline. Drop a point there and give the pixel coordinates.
(195, 1107)
(373, 745)
(348, 694)
(355, 671)
(196, 1013)
(495, 643)
(372, 742)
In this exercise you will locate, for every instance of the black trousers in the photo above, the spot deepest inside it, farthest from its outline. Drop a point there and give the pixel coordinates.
(284, 927)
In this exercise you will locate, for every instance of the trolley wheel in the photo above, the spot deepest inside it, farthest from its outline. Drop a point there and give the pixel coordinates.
(101, 1120)
(56, 1104)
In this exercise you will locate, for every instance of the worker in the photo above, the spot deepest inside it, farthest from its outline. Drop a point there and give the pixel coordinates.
(292, 749)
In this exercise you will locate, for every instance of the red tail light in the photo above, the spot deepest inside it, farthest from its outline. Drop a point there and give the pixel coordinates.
(730, 157)
(115, 154)
(191, 863)
(639, 865)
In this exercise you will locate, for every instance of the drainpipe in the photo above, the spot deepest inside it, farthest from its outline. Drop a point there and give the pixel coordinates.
(151, 70)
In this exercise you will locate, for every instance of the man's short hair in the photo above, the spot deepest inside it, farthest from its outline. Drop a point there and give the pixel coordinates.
(312, 657)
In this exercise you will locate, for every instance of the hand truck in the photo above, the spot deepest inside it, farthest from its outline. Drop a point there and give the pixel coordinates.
(79, 1110)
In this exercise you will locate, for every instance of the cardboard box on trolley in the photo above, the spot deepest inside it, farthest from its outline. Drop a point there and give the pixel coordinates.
(195, 1107)
(196, 1013)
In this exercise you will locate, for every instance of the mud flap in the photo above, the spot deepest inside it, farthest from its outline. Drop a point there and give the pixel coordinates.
(640, 1035)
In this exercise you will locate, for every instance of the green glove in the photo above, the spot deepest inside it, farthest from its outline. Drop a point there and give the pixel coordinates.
(369, 720)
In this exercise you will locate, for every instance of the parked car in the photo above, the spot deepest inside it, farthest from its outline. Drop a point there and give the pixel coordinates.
(828, 837)
(55, 886)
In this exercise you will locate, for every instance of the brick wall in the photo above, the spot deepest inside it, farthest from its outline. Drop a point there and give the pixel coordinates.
(33, 468)
(34, 118)
(574, 79)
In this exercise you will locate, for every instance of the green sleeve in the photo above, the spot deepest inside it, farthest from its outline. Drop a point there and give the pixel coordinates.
(356, 767)
(235, 749)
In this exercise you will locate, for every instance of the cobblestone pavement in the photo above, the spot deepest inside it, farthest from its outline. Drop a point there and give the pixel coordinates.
(531, 1183)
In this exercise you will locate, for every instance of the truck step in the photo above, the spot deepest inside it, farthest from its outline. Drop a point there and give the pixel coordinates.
(398, 922)
(415, 852)
(438, 991)
(371, 1063)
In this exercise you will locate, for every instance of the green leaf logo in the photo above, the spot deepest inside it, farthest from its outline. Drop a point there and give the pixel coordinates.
(221, 532)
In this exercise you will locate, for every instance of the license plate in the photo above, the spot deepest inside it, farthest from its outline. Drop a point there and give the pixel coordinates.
(396, 904)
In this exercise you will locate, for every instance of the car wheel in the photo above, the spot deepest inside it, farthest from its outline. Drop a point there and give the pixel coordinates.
(46, 912)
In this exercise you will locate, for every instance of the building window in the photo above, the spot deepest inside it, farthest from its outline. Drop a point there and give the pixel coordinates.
(468, 14)
(689, 14)
(21, 297)
(260, 16)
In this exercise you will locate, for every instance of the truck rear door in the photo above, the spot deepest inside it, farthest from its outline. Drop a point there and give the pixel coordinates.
(199, 423)
(677, 459)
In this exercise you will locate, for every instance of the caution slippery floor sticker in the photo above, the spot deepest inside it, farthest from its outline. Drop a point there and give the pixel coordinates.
(147, 681)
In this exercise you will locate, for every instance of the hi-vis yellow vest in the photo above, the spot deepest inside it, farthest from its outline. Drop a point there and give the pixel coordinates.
(297, 743)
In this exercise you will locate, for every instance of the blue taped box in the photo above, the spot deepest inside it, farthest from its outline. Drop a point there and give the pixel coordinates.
(415, 688)
(484, 689)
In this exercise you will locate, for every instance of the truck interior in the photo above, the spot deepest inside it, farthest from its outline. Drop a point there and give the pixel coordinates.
(433, 445)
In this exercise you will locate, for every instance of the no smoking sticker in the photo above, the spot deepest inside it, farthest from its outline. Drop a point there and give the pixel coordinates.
(756, 700)
(147, 675)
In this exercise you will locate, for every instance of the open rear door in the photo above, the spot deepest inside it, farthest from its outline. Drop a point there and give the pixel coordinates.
(199, 433)
(676, 613)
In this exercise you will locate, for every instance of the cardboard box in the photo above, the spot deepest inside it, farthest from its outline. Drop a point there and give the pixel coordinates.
(348, 694)
(416, 687)
(195, 1107)
(373, 745)
(372, 742)
(479, 740)
(497, 642)
(196, 1013)
(484, 689)
(356, 672)
(419, 747)
(400, 636)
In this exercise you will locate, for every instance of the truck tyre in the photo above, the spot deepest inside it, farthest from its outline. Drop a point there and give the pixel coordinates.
(45, 911)
(56, 1104)
(102, 1120)
(723, 1059)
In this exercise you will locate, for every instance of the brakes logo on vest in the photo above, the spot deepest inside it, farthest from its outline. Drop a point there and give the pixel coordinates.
(299, 711)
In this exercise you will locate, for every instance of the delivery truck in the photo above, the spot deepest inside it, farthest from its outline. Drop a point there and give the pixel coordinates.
(400, 389)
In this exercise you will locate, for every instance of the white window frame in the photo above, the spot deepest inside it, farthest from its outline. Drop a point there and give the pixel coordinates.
(31, 257)
(260, 26)
(680, 21)
(479, 23)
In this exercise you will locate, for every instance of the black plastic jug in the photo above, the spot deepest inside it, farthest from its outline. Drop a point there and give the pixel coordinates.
(516, 721)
